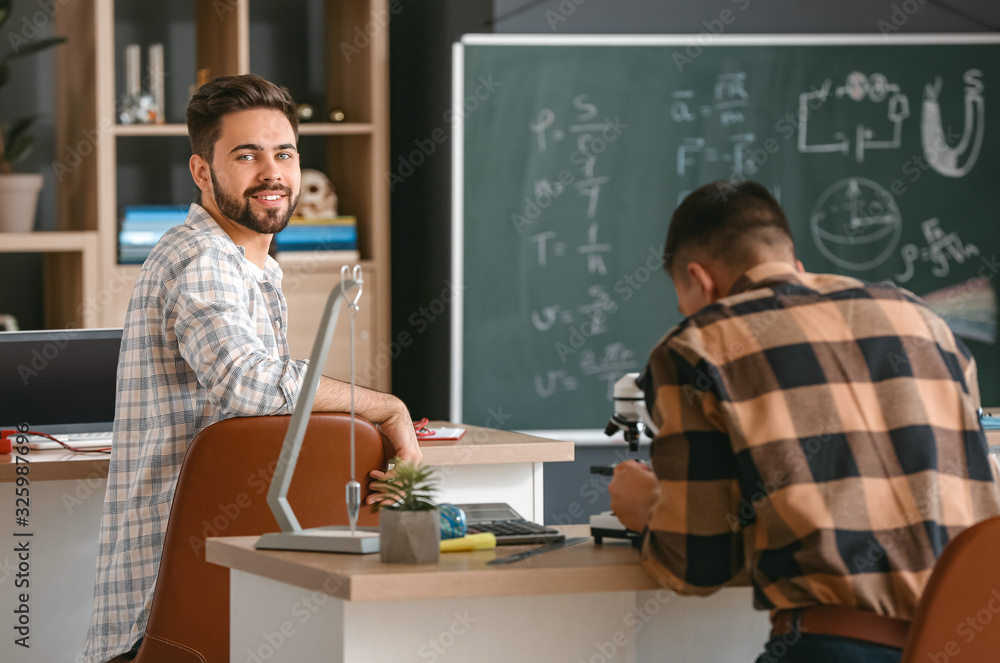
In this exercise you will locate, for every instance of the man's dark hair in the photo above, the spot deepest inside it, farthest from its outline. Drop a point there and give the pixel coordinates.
(230, 94)
(728, 222)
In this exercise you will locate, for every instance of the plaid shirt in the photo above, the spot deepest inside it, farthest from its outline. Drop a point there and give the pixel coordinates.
(203, 341)
(818, 433)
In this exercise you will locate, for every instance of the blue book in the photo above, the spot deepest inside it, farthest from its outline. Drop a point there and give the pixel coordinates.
(317, 234)
(155, 213)
(314, 246)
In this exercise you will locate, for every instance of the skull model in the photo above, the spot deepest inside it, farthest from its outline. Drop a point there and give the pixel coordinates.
(317, 198)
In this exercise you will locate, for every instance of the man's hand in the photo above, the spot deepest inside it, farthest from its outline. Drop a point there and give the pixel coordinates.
(399, 430)
(385, 411)
(634, 492)
(380, 491)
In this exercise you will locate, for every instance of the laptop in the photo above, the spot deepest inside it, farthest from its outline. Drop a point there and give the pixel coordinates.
(60, 382)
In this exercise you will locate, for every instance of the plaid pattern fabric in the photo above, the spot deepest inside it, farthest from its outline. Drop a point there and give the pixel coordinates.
(818, 433)
(203, 341)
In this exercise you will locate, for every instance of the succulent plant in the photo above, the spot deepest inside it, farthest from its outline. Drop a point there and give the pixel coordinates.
(413, 486)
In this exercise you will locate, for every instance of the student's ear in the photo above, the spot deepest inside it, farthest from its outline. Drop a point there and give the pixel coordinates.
(705, 282)
(798, 264)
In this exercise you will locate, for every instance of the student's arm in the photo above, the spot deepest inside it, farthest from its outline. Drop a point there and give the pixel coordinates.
(693, 541)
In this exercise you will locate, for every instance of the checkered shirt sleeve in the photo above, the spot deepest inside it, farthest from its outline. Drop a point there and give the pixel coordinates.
(218, 339)
(818, 434)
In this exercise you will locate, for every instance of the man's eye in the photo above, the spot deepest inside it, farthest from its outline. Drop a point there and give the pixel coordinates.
(245, 157)
(285, 155)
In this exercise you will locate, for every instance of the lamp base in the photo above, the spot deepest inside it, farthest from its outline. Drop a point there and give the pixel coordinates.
(333, 539)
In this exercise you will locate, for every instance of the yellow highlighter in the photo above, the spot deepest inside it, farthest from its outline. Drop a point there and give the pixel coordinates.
(481, 541)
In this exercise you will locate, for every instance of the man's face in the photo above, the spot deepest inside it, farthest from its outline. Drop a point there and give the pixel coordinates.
(255, 170)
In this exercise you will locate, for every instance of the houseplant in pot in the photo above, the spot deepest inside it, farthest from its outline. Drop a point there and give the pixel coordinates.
(18, 191)
(409, 529)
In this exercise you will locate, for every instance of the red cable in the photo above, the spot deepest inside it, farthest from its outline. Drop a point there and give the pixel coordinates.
(5, 433)
(420, 428)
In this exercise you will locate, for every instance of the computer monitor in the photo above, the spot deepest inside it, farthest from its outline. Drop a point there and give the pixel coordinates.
(59, 381)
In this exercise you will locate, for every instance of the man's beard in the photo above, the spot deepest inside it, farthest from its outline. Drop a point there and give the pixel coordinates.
(269, 222)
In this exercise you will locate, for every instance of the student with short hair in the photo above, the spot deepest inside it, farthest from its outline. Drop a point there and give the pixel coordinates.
(816, 432)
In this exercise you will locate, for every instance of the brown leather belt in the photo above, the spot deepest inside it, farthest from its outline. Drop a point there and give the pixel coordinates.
(844, 623)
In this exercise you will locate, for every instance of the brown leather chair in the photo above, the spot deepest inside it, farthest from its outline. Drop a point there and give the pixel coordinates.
(222, 491)
(958, 619)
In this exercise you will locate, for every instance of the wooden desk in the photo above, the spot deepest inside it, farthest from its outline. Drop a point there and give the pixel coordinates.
(67, 497)
(57, 465)
(479, 446)
(586, 602)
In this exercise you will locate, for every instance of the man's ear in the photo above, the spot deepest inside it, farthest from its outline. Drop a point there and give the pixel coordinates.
(201, 173)
(798, 264)
(703, 279)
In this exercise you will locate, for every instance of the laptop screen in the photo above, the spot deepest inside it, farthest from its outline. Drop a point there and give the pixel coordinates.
(59, 381)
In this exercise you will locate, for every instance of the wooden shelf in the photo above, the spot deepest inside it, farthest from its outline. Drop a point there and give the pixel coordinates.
(305, 129)
(56, 241)
(335, 129)
(324, 259)
(151, 129)
(354, 155)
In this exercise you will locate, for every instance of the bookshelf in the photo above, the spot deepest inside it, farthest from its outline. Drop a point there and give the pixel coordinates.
(294, 43)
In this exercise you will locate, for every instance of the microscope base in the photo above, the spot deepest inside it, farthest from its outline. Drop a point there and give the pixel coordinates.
(606, 525)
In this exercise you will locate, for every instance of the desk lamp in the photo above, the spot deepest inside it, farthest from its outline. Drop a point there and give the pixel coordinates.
(339, 539)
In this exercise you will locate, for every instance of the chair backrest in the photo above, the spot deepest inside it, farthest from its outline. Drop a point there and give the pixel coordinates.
(958, 618)
(222, 491)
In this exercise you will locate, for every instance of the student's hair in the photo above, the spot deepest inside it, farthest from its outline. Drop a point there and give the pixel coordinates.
(728, 222)
(230, 94)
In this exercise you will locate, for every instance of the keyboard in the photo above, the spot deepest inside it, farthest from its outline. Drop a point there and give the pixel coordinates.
(515, 532)
(79, 440)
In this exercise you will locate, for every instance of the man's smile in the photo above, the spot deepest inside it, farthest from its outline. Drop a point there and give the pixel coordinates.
(269, 198)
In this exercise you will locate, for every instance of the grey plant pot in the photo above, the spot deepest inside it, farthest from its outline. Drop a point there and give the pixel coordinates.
(409, 537)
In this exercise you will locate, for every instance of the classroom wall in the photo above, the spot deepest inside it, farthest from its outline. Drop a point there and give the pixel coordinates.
(420, 41)
(420, 216)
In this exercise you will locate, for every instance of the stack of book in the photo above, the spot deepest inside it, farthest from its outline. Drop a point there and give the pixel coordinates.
(338, 233)
(143, 225)
(141, 228)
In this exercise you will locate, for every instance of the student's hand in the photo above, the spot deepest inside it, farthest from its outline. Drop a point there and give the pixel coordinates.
(634, 492)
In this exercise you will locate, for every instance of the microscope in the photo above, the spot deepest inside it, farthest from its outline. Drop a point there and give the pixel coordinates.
(632, 418)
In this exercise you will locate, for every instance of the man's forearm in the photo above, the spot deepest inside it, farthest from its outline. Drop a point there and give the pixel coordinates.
(384, 410)
(335, 396)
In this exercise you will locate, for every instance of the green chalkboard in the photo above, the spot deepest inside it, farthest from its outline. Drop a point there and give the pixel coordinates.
(884, 153)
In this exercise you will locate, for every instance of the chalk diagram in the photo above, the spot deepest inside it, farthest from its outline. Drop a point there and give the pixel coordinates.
(856, 223)
(857, 87)
(941, 156)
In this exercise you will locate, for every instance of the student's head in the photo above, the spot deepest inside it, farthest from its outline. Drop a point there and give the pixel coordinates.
(245, 161)
(719, 232)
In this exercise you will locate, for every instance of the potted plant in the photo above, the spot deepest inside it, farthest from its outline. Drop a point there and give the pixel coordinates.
(18, 191)
(409, 529)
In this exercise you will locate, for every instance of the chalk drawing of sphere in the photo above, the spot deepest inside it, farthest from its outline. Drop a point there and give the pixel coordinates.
(856, 224)
(856, 85)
